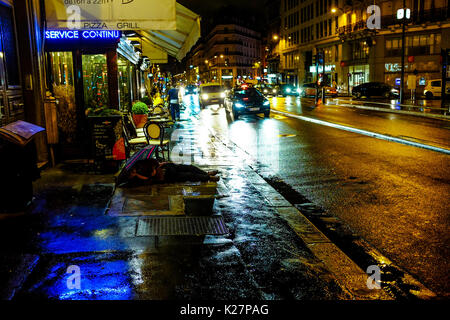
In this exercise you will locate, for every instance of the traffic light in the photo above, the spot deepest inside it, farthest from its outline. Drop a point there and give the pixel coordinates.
(320, 57)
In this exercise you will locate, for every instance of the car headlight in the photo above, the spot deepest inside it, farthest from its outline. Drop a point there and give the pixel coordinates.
(239, 105)
(222, 94)
(274, 90)
(299, 90)
(205, 96)
(265, 91)
(266, 103)
(394, 90)
(288, 90)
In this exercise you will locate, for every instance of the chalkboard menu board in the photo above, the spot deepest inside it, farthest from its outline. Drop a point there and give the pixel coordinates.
(107, 138)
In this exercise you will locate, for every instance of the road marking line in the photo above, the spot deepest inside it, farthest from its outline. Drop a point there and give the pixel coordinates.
(365, 132)
(411, 113)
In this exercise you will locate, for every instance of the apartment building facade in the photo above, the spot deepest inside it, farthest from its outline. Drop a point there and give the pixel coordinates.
(355, 53)
(227, 54)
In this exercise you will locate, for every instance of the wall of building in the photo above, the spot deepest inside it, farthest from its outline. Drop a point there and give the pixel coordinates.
(357, 53)
(229, 51)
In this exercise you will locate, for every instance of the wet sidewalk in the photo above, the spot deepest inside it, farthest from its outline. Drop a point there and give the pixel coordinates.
(68, 230)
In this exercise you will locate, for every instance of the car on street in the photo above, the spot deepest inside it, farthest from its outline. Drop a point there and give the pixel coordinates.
(375, 89)
(211, 93)
(288, 90)
(309, 90)
(190, 89)
(246, 100)
(433, 89)
(267, 89)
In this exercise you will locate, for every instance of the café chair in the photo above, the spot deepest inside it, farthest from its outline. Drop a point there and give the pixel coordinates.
(133, 132)
(133, 143)
(154, 132)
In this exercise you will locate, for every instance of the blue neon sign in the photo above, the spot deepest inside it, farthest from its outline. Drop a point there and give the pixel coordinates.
(81, 34)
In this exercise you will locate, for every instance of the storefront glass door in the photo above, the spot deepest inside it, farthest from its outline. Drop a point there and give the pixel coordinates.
(95, 80)
(358, 75)
(62, 82)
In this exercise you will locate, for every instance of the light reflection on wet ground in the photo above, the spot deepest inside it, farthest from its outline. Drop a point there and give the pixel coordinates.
(260, 259)
(390, 194)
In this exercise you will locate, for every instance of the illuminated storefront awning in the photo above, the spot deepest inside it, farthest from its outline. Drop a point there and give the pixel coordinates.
(111, 15)
(175, 42)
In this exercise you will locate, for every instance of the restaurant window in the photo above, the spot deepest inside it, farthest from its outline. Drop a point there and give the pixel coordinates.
(62, 68)
(9, 49)
(124, 71)
(95, 80)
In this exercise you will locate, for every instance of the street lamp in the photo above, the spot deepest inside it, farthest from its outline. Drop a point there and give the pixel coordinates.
(335, 9)
(275, 37)
(403, 14)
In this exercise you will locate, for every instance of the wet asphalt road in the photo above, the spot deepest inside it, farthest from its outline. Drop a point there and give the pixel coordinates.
(395, 196)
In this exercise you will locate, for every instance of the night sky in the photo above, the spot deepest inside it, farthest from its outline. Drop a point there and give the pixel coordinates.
(205, 7)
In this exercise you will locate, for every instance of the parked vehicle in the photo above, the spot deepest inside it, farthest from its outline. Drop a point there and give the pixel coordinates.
(211, 93)
(375, 89)
(434, 89)
(246, 100)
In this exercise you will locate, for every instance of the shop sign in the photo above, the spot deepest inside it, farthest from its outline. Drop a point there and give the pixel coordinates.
(328, 68)
(107, 139)
(411, 82)
(79, 34)
(393, 67)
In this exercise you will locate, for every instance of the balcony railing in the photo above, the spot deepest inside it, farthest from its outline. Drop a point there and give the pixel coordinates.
(354, 27)
(238, 42)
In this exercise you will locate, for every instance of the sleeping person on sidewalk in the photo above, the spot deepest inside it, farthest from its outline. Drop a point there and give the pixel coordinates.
(152, 171)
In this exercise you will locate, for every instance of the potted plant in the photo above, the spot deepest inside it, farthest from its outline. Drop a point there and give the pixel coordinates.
(140, 114)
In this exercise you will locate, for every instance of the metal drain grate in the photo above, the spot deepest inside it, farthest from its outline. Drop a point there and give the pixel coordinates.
(180, 226)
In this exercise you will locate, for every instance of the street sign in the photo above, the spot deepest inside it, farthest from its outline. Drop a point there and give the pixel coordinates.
(411, 82)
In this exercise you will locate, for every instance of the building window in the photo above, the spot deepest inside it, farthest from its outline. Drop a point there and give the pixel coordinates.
(360, 50)
(415, 45)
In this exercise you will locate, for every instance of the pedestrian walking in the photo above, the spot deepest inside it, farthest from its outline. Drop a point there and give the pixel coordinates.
(174, 104)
